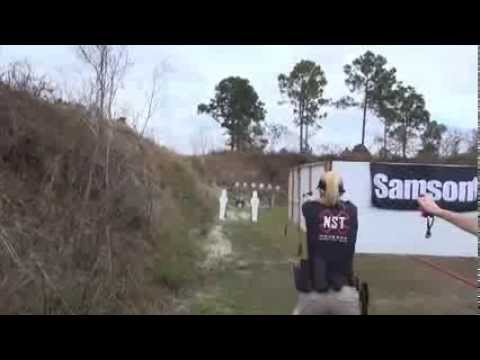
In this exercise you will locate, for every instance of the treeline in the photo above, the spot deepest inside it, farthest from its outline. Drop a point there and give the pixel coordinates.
(408, 130)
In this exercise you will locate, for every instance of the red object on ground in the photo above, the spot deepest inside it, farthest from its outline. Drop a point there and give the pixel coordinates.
(469, 282)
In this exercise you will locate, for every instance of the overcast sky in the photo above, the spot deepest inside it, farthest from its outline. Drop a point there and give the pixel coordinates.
(445, 75)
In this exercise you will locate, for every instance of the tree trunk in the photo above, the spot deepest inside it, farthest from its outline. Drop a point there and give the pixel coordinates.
(239, 137)
(385, 138)
(404, 142)
(102, 90)
(300, 114)
(306, 138)
(301, 135)
(364, 117)
(233, 136)
(238, 145)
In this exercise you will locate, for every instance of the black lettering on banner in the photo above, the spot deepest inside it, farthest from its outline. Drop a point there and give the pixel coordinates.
(398, 186)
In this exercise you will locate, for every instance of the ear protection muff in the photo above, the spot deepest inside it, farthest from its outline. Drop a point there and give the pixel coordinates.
(323, 186)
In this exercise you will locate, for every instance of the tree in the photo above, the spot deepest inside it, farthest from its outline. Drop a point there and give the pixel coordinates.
(304, 87)
(201, 142)
(431, 138)
(331, 149)
(451, 143)
(410, 116)
(472, 141)
(275, 132)
(19, 75)
(386, 111)
(152, 100)
(369, 76)
(237, 108)
(109, 64)
(384, 148)
(257, 140)
(140, 119)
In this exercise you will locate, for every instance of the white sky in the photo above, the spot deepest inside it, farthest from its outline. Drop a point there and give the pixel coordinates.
(445, 75)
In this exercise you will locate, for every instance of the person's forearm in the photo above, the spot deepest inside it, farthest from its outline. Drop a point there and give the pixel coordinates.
(462, 221)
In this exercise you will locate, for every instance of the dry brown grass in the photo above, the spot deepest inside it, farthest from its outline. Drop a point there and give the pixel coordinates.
(119, 245)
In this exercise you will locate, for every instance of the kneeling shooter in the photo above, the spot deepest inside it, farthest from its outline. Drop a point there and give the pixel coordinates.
(325, 277)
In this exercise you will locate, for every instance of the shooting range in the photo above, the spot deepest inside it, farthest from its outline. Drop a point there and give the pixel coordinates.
(392, 225)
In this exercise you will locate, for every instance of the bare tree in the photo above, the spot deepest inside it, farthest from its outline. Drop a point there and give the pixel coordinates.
(140, 120)
(329, 149)
(451, 142)
(109, 64)
(395, 147)
(19, 75)
(275, 132)
(152, 100)
(472, 141)
(201, 142)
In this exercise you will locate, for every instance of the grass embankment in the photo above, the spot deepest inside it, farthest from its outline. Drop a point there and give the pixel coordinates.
(94, 218)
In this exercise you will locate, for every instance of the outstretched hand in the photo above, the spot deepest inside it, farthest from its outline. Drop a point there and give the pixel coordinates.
(428, 206)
